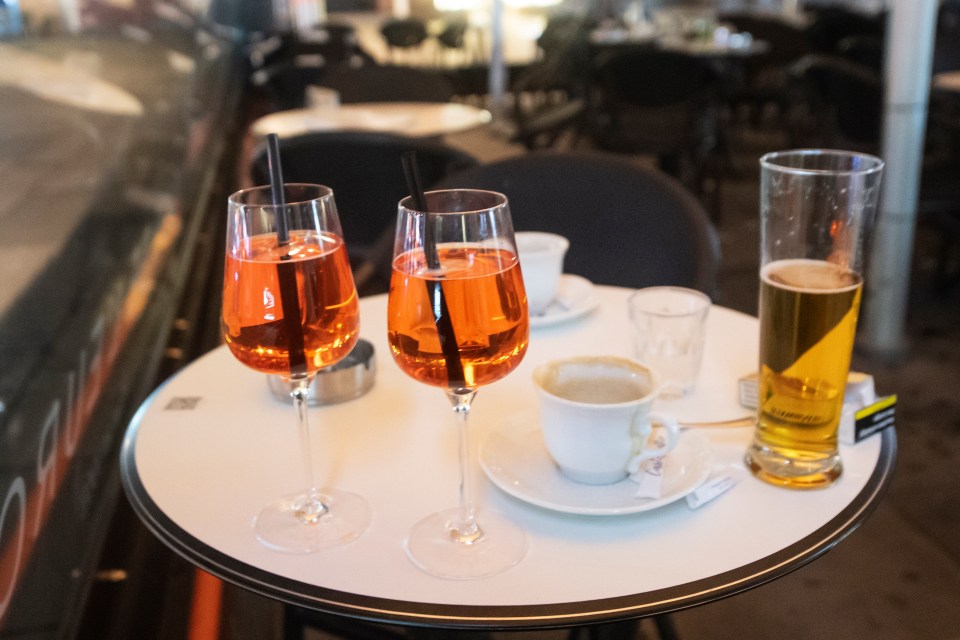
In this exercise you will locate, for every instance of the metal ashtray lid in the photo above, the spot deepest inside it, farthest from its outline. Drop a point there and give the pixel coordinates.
(348, 379)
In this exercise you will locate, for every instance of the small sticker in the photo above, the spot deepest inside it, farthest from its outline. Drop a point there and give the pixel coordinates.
(183, 403)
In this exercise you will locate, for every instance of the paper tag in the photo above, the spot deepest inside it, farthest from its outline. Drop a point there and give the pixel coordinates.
(649, 474)
(860, 423)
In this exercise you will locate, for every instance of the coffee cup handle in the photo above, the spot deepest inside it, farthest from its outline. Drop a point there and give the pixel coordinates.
(669, 424)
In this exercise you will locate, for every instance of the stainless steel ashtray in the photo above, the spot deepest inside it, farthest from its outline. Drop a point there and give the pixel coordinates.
(348, 379)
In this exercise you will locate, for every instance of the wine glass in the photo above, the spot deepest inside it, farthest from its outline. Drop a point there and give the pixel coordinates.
(290, 308)
(457, 319)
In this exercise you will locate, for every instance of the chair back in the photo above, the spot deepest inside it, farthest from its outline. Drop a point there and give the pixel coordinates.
(946, 46)
(364, 170)
(845, 98)
(387, 83)
(404, 33)
(628, 224)
(655, 101)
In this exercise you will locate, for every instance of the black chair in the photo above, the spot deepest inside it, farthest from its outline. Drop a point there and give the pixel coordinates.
(365, 172)
(285, 65)
(404, 35)
(946, 45)
(628, 224)
(837, 103)
(386, 83)
(663, 103)
(550, 97)
(938, 207)
(865, 50)
(765, 75)
(452, 44)
(830, 24)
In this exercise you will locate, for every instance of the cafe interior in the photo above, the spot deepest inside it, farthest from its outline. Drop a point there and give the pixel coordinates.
(632, 127)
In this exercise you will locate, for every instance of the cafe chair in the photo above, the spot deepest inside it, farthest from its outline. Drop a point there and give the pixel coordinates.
(761, 89)
(550, 94)
(454, 45)
(629, 225)
(284, 65)
(365, 171)
(938, 206)
(665, 104)
(829, 24)
(836, 102)
(946, 44)
(404, 36)
(865, 50)
(373, 82)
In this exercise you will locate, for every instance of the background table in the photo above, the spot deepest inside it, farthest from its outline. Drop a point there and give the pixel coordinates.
(212, 446)
(414, 119)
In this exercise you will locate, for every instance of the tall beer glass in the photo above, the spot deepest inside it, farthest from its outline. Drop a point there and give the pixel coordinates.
(815, 208)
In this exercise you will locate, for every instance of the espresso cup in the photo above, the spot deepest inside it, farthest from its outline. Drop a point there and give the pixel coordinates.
(596, 418)
(541, 261)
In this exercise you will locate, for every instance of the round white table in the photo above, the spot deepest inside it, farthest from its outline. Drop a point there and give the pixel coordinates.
(211, 446)
(413, 119)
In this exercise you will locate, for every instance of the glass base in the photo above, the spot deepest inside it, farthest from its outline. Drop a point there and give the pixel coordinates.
(433, 546)
(794, 473)
(281, 527)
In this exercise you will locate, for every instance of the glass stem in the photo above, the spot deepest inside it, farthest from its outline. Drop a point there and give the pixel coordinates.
(312, 508)
(465, 529)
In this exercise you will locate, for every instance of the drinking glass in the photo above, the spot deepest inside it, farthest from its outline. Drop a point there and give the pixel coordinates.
(457, 319)
(815, 208)
(290, 309)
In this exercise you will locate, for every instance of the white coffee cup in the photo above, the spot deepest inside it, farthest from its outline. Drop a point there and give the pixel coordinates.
(541, 260)
(596, 418)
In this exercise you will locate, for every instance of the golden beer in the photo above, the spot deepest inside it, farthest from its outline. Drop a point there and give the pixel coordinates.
(808, 318)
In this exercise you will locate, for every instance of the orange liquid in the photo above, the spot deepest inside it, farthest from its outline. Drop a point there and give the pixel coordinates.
(487, 306)
(253, 321)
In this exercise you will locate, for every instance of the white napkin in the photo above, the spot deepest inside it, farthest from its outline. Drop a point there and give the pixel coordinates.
(649, 476)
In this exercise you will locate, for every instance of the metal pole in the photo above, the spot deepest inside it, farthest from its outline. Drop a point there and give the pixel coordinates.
(908, 62)
(497, 78)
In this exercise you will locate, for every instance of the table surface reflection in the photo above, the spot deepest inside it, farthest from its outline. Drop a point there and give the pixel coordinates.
(212, 446)
(412, 119)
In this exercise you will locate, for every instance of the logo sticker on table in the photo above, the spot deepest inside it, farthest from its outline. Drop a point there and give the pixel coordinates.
(183, 403)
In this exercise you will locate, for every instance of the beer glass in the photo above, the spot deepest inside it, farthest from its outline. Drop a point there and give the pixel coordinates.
(815, 208)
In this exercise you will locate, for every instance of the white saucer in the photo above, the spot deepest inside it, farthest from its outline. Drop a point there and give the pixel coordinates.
(575, 297)
(519, 464)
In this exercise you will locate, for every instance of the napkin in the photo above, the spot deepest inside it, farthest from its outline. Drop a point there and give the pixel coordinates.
(649, 475)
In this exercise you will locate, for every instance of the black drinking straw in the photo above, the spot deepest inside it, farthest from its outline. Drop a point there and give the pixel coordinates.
(286, 271)
(438, 302)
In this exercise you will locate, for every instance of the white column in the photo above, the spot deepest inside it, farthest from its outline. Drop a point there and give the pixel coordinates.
(497, 79)
(909, 51)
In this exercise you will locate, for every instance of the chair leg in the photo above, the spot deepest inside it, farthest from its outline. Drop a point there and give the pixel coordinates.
(665, 627)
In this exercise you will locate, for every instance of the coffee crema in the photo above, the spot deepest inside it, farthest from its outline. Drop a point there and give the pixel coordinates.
(597, 381)
(600, 390)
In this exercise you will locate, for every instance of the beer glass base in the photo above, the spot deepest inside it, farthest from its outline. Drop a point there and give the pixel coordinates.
(777, 469)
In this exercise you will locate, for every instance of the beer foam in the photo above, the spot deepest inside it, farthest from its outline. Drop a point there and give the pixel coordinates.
(809, 276)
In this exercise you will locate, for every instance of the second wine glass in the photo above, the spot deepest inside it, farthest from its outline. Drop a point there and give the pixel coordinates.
(457, 319)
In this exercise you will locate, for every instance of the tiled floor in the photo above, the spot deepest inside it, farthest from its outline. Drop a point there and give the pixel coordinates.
(897, 577)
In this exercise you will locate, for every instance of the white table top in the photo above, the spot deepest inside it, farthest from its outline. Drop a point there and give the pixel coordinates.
(413, 119)
(211, 446)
